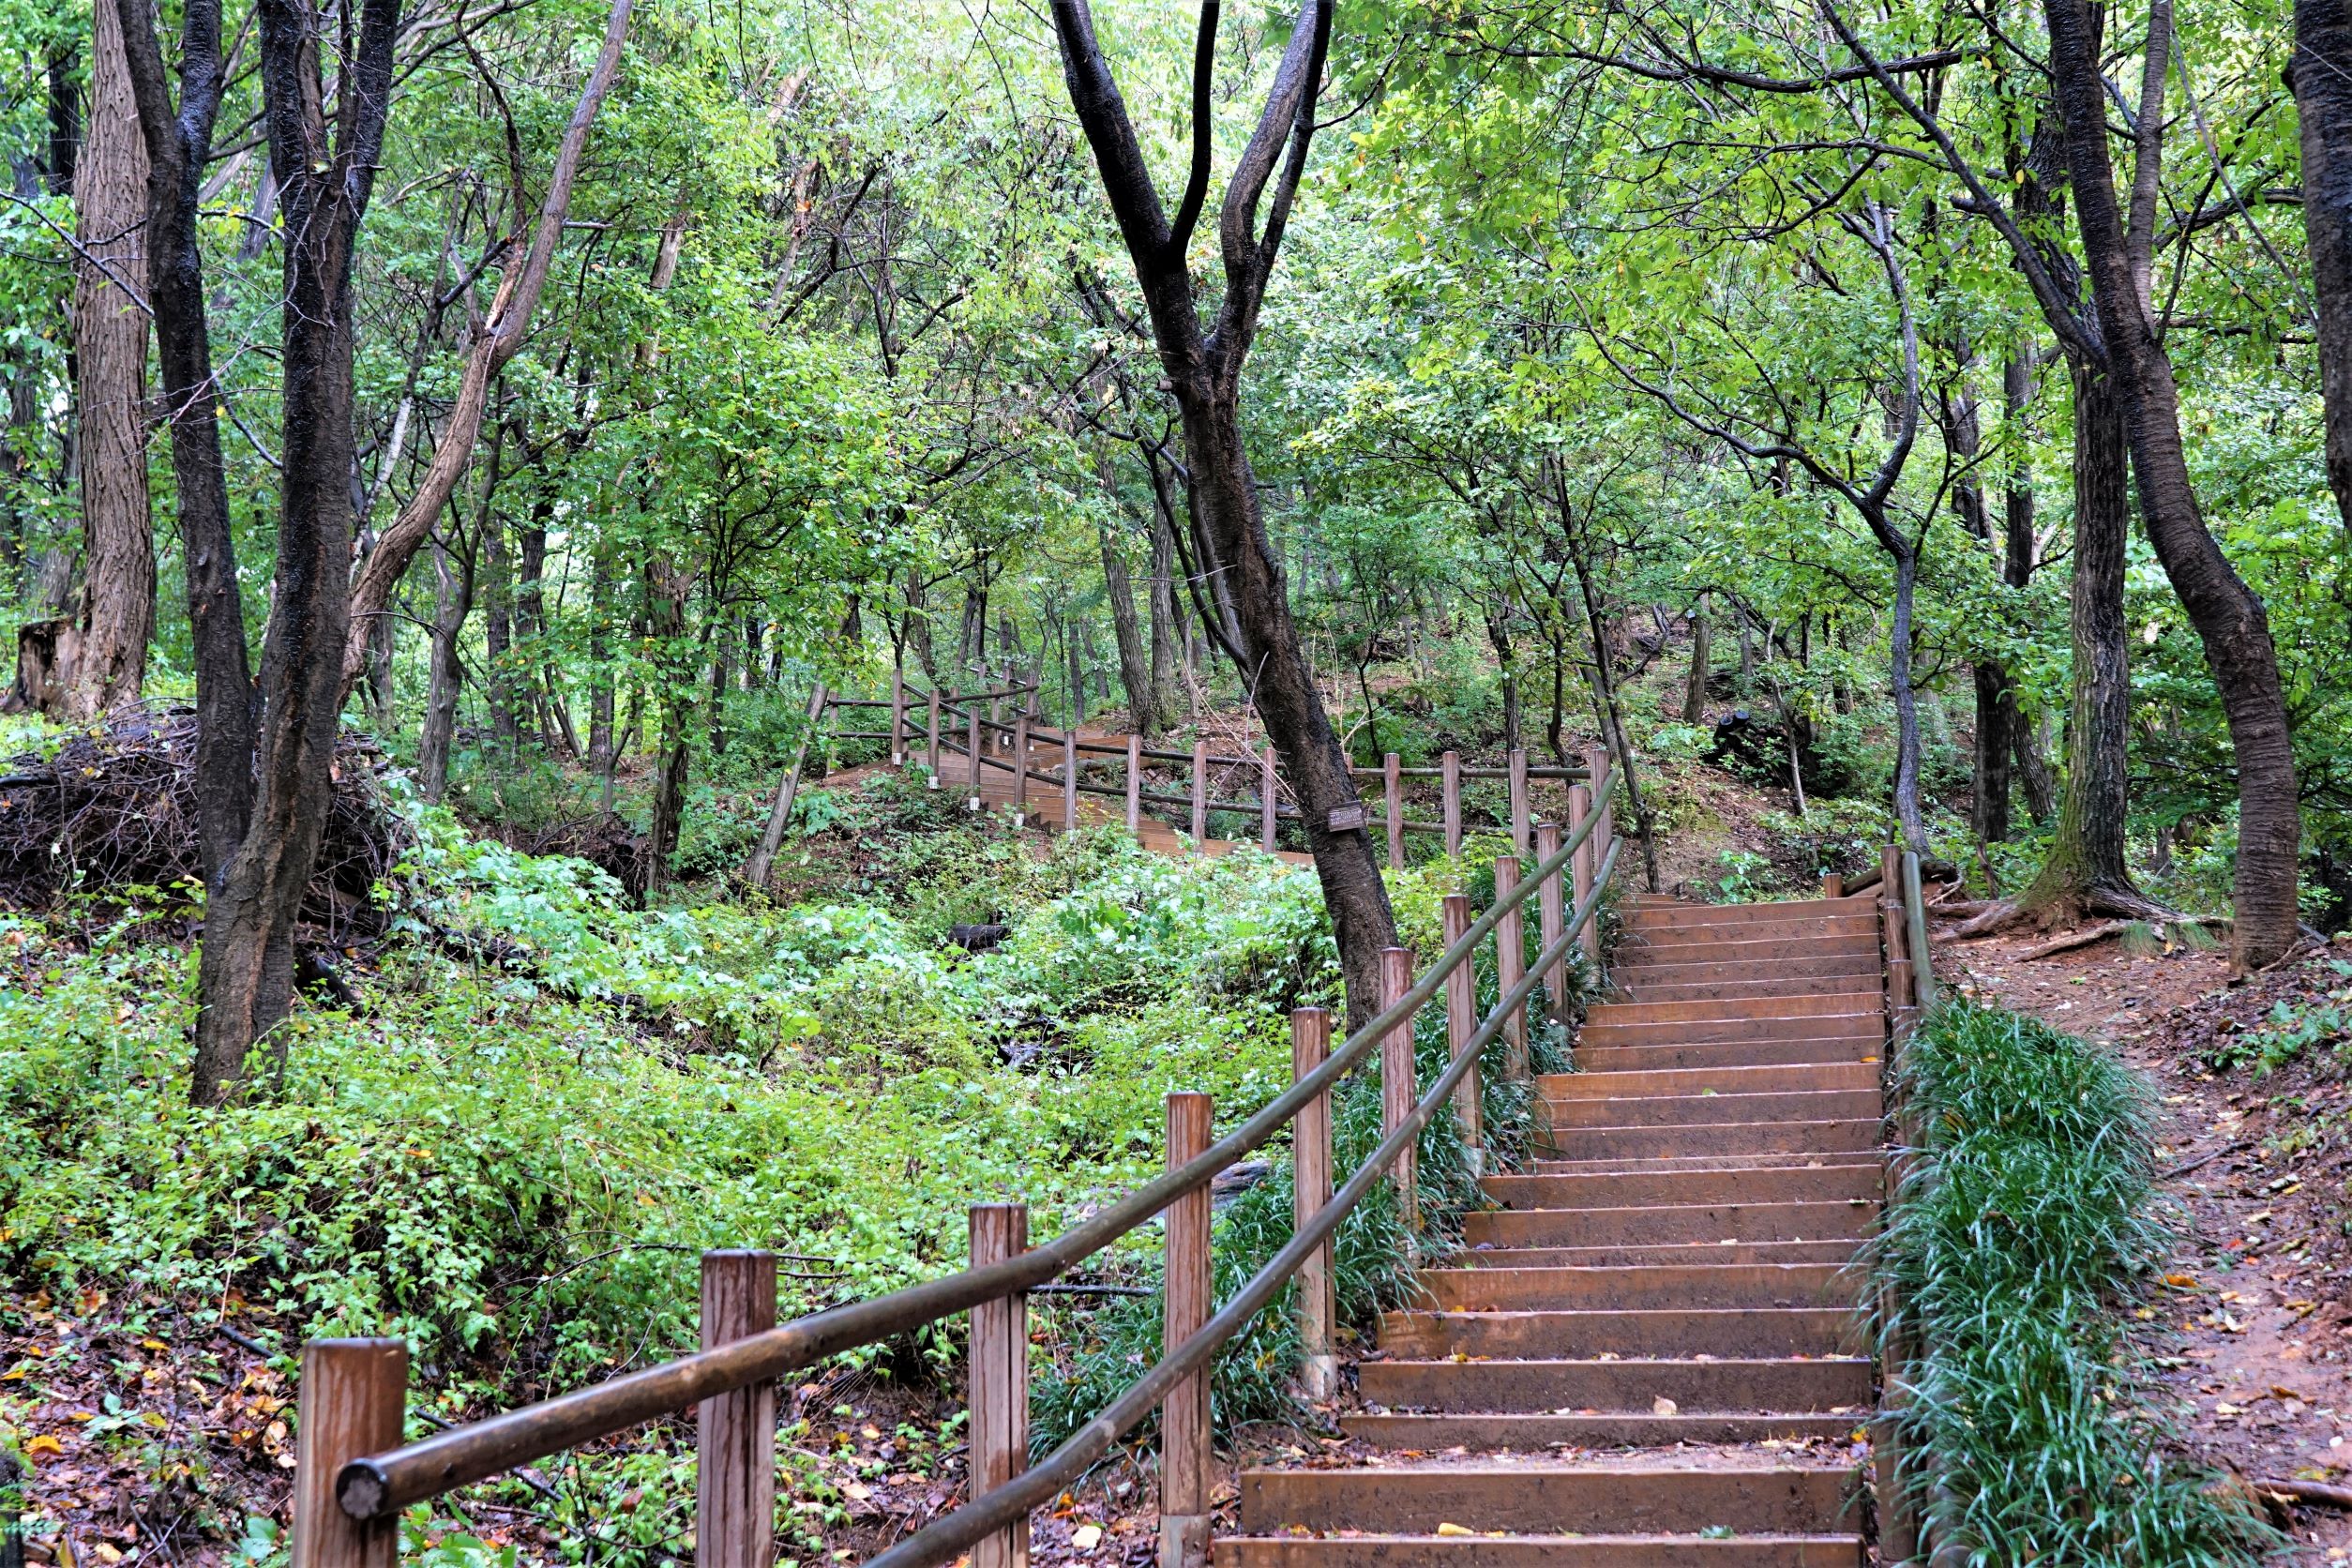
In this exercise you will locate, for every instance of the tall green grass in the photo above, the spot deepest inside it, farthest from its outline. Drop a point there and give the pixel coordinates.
(2022, 1229)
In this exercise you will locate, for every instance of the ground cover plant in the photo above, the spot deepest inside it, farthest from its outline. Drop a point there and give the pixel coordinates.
(2022, 1230)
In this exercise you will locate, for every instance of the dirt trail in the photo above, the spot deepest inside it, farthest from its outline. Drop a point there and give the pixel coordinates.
(2253, 1333)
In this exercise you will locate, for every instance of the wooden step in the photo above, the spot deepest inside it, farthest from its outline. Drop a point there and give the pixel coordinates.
(1646, 916)
(1747, 1332)
(1687, 1031)
(1790, 1184)
(1734, 1219)
(1812, 1005)
(1860, 960)
(1693, 941)
(1416, 1499)
(1540, 1551)
(1810, 1076)
(1749, 950)
(1635, 1286)
(1729, 1053)
(1565, 1162)
(1617, 1146)
(1680, 1110)
(1603, 1429)
(1734, 989)
(1839, 1383)
(1828, 1250)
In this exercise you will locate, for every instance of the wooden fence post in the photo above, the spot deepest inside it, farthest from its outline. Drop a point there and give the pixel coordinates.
(1185, 1462)
(1510, 966)
(1894, 933)
(1392, 782)
(1069, 780)
(1832, 885)
(973, 741)
(1310, 1189)
(1135, 783)
(930, 754)
(1400, 1081)
(1200, 796)
(897, 716)
(1551, 905)
(1580, 867)
(354, 1394)
(997, 1382)
(1596, 762)
(1461, 1022)
(1450, 779)
(1269, 800)
(1518, 799)
(734, 1489)
(1020, 767)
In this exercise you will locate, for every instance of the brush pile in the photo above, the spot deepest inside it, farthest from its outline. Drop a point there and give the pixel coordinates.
(115, 807)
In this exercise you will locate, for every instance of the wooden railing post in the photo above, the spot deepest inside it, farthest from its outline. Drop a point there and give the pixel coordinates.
(897, 716)
(1269, 800)
(997, 1381)
(930, 743)
(973, 741)
(1832, 885)
(1400, 1081)
(1185, 1462)
(1518, 799)
(1069, 780)
(1596, 762)
(354, 1393)
(1020, 767)
(1393, 781)
(1580, 867)
(1200, 796)
(1450, 779)
(1894, 933)
(1135, 783)
(1551, 904)
(1461, 1022)
(1510, 966)
(734, 1489)
(1310, 1189)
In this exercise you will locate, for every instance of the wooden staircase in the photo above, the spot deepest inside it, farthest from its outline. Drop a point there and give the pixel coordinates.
(1588, 1384)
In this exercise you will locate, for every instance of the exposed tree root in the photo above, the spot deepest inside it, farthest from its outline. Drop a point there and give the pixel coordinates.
(2317, 1494)
(2068, 908)
(2076, 939)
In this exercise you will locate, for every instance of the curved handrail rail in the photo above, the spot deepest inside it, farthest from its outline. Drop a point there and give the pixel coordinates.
(378, 1486)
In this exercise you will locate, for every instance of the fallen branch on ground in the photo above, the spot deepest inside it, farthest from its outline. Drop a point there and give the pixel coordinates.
(2313, 1493)
(2076, 939)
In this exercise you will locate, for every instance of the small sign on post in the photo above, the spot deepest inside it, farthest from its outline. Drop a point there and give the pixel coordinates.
(1347, 819)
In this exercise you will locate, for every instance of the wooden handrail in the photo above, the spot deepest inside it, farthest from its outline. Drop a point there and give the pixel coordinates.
(378, 1486)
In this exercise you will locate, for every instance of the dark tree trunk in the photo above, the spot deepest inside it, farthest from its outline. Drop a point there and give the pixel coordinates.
(1167, 620)
(600, 664)
(498, 601)
(1702, 658)
(1995, 709)
(244, 975)
(1613, 727)
(2229, 619)
(1203, 369)
(1135, 668)
(2321, 76)
(665, 591)
(179, 144)
(453, 597)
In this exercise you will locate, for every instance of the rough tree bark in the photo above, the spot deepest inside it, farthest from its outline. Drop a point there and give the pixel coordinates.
(499, 341)
(326, 174)
(104, 657)
(2229, 618)
(1702, 662)
(1204, 367)
(179, 144)
(2321, 77)
(1134, 666)
(453, 597)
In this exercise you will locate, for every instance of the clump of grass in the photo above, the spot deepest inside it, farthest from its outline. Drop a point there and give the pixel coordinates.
(2019, 1234)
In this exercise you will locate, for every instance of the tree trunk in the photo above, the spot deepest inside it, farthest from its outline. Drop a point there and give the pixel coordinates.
(600, 663)
(1613, 728)
(453, 597)
(116, 616)
(1134, 671)
(665, 591)
(1167, 624)
(1702, 657)
(498, 597)
(2323, 102)
(2229, 618)
(244, 975)
(1907, 806)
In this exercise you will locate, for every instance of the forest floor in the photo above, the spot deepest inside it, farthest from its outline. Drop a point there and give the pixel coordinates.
(2251, 1339)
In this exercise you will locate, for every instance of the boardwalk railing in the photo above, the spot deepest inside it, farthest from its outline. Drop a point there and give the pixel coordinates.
(354, 1477)
(1909, 992)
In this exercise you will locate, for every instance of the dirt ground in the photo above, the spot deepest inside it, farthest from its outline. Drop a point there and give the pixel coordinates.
(2251, 1329)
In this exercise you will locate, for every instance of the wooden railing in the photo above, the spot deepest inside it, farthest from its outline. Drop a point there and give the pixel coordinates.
(1909, 992)
(353, 1476)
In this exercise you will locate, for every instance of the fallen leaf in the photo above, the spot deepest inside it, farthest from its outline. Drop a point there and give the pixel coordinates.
(1086, 1538)
(1664, 1406)
(1454, 1530)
